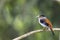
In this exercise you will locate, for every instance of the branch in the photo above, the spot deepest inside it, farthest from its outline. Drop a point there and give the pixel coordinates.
(56, 0)
(32, 32)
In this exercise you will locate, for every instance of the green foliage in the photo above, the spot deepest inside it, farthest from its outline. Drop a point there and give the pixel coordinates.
(19, 16)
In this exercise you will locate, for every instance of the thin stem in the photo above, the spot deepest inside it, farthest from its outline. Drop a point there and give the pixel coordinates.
(32, 32)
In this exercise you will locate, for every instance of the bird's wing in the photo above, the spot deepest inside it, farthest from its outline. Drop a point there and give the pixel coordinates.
(47, 21)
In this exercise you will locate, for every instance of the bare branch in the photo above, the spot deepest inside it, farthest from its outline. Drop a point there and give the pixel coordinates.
(32, 32)
(56, 0)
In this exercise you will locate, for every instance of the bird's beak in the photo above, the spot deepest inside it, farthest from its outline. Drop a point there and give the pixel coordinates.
(37, 16)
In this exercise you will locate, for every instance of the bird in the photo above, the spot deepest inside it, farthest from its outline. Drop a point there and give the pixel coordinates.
(45, 23)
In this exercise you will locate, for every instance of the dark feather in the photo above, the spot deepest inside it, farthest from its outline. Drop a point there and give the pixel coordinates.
(43, 21)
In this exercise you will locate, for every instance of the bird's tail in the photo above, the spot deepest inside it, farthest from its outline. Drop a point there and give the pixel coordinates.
(52, 31)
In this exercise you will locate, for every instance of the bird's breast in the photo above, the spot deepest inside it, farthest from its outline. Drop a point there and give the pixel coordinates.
(41, 21)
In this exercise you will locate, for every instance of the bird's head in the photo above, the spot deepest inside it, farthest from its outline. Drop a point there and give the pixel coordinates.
(40, 16)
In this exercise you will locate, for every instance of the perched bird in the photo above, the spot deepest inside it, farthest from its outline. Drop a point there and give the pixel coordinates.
(45, 23)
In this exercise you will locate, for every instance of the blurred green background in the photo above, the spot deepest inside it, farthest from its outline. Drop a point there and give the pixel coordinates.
(18, 17)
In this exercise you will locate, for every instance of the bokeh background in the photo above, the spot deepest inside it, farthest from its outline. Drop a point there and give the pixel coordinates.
(18, 17)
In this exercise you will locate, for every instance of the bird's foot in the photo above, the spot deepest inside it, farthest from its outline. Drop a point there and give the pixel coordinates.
(44, 29)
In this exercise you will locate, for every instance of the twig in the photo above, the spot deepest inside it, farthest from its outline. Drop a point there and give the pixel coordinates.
(32, 32)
